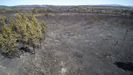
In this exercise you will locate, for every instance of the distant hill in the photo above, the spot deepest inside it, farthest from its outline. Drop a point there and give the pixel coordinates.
(2, 6)
(99, 9)
(56, 6)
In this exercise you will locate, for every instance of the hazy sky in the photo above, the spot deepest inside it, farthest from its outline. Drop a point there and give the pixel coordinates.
(65, 2)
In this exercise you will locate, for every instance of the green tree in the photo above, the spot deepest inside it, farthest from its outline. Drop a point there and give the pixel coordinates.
(22, 29)
(8, 40)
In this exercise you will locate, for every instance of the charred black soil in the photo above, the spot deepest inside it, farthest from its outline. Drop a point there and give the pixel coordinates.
(80, 44)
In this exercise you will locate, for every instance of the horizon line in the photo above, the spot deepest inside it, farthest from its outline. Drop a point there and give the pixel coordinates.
(69, 5)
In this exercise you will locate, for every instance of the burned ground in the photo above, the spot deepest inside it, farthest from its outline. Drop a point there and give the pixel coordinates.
(81, 44)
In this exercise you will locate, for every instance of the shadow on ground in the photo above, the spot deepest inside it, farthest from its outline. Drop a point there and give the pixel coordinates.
(127, 66)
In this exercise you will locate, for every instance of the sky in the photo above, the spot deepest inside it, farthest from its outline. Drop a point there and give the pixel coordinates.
(66, 2)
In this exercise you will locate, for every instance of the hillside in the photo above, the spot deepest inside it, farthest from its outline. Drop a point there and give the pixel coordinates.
(76, 42)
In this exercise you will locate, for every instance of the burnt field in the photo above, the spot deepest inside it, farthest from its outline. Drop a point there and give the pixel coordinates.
(79, 44)
(91, 44)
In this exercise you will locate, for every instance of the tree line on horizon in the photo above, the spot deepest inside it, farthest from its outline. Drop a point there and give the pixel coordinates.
(73, 9)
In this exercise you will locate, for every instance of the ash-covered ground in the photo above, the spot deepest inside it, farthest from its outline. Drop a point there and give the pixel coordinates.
(80, 44)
